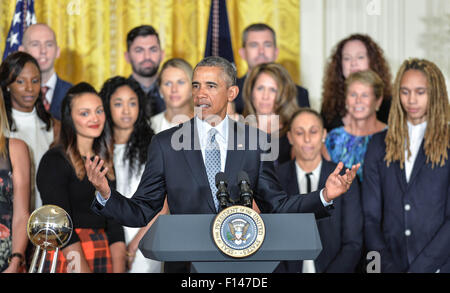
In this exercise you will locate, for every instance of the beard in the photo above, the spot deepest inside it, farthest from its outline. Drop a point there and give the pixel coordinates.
(145, 71)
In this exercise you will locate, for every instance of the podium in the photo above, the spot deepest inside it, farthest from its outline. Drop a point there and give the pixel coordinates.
(189, 238)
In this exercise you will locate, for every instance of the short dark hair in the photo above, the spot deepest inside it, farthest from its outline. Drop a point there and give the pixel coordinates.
(258, 27)
(141, 31)
(305, 110)
(227, 67)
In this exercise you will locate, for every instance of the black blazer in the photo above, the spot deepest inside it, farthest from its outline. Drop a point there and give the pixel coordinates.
(182, 176)
(341, 233)
(302, 96)
(59, 93)
(408, 223)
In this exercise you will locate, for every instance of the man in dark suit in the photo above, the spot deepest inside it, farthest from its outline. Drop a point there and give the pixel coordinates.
(341, 233)
(39, 41)
(144, 54)
(183, 161)
(259, 45)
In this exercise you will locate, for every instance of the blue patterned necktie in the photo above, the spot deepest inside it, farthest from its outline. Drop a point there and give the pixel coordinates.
(212, 163)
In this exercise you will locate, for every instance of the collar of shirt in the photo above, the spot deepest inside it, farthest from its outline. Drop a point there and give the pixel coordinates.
(21, 114)
(416, 134)
(149, 89)
(221, 137)
(51, 84)
(144, 88)
(301, 178)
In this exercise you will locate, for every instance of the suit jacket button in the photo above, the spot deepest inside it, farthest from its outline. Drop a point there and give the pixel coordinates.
(408, 232)
(407, 207)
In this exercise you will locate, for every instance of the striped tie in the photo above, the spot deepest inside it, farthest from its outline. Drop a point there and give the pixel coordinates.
(212, 163)
(44, 90)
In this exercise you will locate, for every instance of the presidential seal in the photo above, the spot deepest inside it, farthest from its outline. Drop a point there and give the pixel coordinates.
(238, 231)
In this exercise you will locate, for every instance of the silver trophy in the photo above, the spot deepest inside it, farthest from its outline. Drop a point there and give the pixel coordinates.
(49, 228)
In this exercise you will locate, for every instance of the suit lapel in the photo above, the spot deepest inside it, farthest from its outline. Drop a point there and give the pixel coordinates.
(400, 173)
(194, 159)
(53, 104)
(292, 184)
(235, 152)
(325, 171)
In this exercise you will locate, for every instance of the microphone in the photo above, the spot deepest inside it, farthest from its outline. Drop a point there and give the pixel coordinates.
(222, 193)
(246, 194)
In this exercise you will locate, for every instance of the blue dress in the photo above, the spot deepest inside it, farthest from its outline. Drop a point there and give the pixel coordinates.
(347, 148)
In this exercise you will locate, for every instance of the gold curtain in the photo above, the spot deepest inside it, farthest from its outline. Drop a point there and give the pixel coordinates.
(92, 34)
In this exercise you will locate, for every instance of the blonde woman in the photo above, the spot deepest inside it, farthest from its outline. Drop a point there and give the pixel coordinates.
(363, 97)
(14, 198)
(175, 85)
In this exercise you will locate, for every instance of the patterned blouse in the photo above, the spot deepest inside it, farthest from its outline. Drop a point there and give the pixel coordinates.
(347, 148)
(6, 210)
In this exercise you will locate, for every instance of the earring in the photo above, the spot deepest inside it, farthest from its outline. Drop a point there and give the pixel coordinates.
(7, 89)
(346, 107)
(323, 140)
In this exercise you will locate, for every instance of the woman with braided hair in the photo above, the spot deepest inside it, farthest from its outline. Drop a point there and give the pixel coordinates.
(406, 186)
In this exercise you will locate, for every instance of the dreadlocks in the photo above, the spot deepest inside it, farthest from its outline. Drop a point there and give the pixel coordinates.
(437, 134)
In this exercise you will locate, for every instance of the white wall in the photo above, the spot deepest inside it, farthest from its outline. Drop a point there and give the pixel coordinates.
(402, 28)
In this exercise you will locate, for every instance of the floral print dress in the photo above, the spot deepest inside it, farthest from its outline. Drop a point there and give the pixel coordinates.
(347, 148)
(6, 210)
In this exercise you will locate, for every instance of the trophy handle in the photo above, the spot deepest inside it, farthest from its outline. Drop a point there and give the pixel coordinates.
(34, 260)
(42, 261)
(54, 261)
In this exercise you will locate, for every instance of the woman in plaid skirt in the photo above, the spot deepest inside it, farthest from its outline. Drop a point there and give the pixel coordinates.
(97, 244)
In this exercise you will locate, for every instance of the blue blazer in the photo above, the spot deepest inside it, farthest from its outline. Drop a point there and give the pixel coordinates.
(341, 233)
(302, 96)
(182, 176)
(408, 223)
(59, 93)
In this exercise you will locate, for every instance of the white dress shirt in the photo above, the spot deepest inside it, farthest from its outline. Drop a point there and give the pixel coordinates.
(51, 84)
(301, 178)
(203, 128)
(416, 134)
(308, 265)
